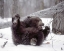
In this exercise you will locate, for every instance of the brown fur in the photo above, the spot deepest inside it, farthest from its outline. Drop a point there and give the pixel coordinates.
(24, 31)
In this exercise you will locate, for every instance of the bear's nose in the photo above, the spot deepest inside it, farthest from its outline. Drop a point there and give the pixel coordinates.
(41, 23)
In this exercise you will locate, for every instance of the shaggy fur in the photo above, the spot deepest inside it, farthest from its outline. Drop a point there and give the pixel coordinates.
(24, 31)
(32, 21)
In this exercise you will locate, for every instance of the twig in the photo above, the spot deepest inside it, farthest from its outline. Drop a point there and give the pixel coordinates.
(61, 48)
(4, 44)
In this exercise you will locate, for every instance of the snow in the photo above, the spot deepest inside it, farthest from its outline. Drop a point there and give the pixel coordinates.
(5, 20)
(52, 43)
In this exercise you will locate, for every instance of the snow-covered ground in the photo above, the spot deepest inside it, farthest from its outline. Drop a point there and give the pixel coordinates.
(52, 43)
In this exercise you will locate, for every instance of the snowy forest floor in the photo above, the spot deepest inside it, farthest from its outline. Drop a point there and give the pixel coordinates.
(52, 43)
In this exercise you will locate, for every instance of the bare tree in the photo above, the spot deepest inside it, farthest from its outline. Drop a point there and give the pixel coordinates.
(2, 8)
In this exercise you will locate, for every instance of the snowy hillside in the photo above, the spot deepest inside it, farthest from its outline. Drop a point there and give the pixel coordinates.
(52, 43)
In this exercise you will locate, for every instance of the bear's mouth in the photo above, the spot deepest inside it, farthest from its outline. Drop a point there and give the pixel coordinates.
(40, 23)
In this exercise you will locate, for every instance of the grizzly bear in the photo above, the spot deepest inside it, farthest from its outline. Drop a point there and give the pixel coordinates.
(24, 32)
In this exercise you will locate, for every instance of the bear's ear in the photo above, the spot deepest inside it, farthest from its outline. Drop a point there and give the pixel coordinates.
(17, 16)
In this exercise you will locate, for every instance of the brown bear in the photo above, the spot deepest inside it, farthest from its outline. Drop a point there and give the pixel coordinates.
(25, 31)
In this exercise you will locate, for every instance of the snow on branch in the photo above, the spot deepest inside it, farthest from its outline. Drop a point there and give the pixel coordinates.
(49, 13)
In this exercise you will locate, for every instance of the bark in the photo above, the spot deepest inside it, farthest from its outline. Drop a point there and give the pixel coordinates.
(58, 23)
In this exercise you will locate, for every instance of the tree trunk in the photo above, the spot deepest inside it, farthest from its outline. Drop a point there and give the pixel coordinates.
(8, 8)
(58, 23)
(2, 8)
(15, 9)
